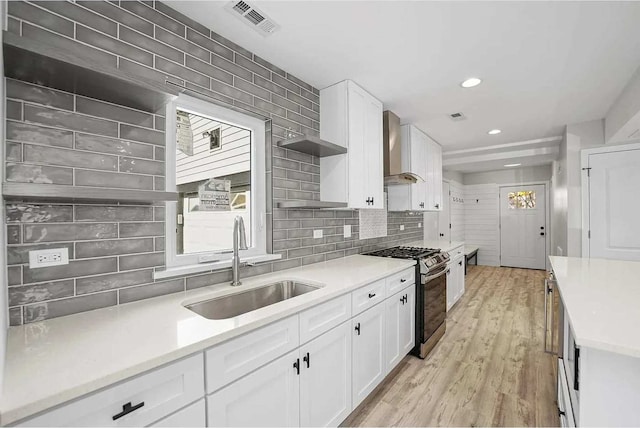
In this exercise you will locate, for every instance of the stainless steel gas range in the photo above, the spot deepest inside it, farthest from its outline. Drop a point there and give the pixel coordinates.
(431, 293)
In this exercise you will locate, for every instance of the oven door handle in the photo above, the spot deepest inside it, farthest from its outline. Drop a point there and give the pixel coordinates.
(430, 277)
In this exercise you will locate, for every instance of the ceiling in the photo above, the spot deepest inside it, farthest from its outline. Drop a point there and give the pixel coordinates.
(543, 64)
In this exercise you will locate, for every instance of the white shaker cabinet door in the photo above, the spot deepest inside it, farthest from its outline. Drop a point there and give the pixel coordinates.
(325, 378)
(400, 326)
(268, 397)
(368, 362)
(408, 321)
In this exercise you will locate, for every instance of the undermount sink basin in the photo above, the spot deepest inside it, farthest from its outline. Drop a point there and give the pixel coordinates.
(237, 304)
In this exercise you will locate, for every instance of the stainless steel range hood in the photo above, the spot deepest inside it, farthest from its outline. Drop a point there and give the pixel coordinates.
(392, 152)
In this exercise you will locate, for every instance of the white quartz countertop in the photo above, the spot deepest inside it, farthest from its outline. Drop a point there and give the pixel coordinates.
(602, 299)
(54, 361)
(436, 243)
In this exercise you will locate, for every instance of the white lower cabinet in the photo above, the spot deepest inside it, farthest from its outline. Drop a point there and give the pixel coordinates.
(193, 416)
(455, 278)
(400, 326)
(325, 378)
(368, 364)
(135, 402)
(268, 397)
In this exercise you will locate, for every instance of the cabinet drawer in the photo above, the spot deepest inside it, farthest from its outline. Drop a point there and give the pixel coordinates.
(458, 251)
(400, 280)
(367, 296)
(162, 391)
(237, 357)
(193, 416)
(564, 400)
(322, 318)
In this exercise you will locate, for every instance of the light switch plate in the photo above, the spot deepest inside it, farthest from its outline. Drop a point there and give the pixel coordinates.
(419, 225)
(347, 231)
(48, 257)
(402, 227)
(317, 233)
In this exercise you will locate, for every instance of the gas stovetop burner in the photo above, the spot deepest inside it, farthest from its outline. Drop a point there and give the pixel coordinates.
(405, 252)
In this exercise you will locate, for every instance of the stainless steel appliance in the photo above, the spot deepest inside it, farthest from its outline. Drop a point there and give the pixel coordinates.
(431, 293)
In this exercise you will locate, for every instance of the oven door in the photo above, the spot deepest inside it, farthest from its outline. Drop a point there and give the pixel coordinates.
(435, 301)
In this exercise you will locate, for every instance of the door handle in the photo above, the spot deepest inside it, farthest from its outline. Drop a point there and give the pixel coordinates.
(358, 328)
(126, 409)
(307, 359)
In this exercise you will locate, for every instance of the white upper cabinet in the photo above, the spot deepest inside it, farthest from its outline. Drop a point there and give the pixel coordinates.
(352, 118)
(422, 156)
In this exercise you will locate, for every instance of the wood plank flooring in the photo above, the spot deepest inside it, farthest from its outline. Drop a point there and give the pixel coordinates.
(488, 370)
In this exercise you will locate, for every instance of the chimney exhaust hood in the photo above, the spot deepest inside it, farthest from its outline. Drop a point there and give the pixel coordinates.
(392, 152)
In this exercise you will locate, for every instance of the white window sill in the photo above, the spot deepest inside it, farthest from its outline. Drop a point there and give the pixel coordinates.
(211, 267)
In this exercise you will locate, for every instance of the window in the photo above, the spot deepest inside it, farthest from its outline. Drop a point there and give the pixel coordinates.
(216, 163)
(523, 200)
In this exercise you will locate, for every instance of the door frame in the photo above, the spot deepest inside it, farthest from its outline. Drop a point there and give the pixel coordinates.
(547, 216)
(585, 190)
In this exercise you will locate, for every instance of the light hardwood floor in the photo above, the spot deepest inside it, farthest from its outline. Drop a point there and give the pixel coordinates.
(488, 370)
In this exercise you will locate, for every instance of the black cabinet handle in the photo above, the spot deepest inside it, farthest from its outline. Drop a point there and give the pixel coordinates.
(372, 295)
(460, 262)
(541, 233)
(358, 328)
(126, 409)
(403, 280)
(307, 359)
(406, 299)
(576, 368)
(296, 365)
(402, 300)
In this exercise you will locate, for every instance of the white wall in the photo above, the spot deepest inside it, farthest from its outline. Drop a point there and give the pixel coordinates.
(626, 107)
(482, 219)
(457, 211)
(3, 273)
(509, 175)
(578, 137)
(452, 176)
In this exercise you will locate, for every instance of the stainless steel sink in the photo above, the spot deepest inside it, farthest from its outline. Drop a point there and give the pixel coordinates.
(236, 304)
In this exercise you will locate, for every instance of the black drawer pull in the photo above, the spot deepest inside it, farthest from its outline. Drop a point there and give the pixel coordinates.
(372, 295)
(358, 328)
(126, 409)
(403, 280)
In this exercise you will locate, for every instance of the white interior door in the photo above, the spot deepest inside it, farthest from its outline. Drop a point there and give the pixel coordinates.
(614, 179)
(444, 216)
(523, 226)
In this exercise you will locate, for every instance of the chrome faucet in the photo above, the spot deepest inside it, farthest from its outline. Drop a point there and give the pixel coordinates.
(239, 243)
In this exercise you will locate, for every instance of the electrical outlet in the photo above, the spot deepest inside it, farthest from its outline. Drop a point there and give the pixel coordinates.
(317, 233)
(419, 225)
(347, 231)
(402, 227)
(48, 257)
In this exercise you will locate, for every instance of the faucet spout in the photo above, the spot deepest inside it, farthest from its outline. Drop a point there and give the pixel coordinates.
(239, 243)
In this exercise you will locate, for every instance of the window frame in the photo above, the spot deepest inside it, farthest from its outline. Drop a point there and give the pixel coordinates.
(211, 260)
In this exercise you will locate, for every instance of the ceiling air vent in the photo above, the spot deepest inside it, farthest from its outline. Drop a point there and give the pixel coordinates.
(457, 116)
(253, 17)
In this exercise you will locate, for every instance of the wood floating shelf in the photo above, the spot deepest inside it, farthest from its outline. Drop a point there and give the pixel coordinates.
(59, 68)
(54, 192)
(310, 204)
(313, 146)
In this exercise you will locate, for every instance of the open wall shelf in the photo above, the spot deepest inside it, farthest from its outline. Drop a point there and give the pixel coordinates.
(53, 192)
(59, 68)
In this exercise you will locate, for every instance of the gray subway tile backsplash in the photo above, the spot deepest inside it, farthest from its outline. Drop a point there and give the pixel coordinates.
(71, 140)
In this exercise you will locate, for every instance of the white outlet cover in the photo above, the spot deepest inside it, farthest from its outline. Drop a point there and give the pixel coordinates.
(48, 257)
(402, 227)
(317, 233)
(347, 231)
(419, 225)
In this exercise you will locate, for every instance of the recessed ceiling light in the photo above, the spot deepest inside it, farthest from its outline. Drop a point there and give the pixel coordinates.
(510, 165)
(470, 83)
(494, 131)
